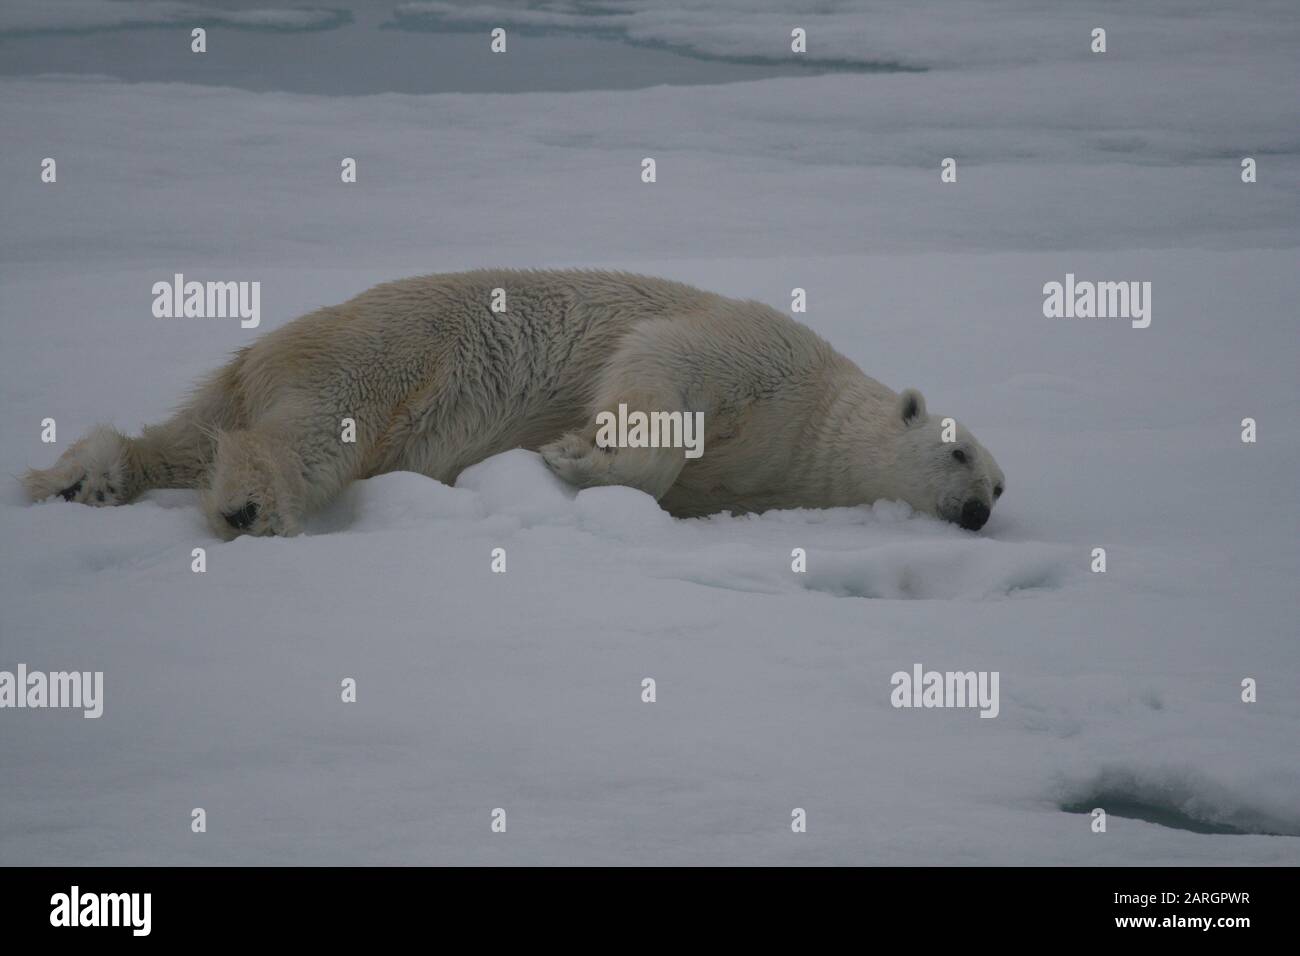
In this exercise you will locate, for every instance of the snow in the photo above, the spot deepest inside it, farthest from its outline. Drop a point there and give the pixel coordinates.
(523, 690)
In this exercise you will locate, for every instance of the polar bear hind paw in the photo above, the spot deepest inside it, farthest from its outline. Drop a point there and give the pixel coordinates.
(578, 461)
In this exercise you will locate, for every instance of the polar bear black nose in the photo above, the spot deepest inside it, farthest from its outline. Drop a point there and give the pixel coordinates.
(974, 514)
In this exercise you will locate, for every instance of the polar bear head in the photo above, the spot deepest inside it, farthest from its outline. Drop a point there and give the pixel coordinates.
(957, 480)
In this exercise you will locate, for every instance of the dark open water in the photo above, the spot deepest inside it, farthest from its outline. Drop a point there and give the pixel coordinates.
(370, 52)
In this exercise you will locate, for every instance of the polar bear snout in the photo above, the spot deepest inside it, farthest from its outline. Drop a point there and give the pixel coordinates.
(974, 513)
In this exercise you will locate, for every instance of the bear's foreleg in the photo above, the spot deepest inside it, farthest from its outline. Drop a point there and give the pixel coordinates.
(257, 485)
(106, 467)
(266, 479)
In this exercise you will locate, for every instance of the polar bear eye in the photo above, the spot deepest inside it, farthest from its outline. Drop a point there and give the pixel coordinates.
(997, 492)
(959, 455)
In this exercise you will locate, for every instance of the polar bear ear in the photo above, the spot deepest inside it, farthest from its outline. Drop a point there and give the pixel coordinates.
(911, 407)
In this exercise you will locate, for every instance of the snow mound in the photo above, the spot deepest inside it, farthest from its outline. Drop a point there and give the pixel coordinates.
(940, 569)
(882, 551)
(518, 483)
(401, 499)
(949, 568)
(622, 513)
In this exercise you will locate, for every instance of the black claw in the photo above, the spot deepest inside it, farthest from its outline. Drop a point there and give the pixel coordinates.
(242, 518)
(70, 492)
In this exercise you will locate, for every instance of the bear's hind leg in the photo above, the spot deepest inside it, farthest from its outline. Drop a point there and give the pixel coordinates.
(582, 463)
(640, 377)
(579, 460)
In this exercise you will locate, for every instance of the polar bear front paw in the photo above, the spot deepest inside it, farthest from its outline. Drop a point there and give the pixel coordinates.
(257, 488)
(94, 471)
(253, 508)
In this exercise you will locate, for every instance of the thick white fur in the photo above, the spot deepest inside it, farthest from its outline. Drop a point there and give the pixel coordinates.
(436, 381)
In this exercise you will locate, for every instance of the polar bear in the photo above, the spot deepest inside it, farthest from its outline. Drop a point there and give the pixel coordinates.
(435, 373)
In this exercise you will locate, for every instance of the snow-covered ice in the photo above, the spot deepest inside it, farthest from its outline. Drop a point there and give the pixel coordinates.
(523, 690)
